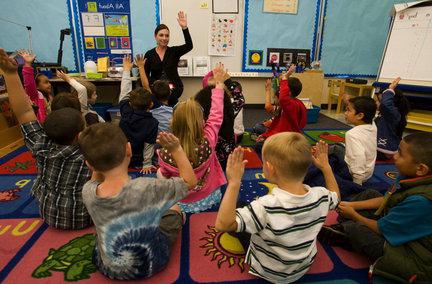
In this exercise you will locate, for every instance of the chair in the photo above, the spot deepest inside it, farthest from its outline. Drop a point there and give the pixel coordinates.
(334, 91)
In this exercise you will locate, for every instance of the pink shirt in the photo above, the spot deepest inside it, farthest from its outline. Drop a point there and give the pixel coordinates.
(35, 96)
(210, 172)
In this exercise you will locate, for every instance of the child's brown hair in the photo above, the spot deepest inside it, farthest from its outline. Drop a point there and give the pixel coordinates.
(140, 99)
(420, 147)
(90, 87)
(103, 146)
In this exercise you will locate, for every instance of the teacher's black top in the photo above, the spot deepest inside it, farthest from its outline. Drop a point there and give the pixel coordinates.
(167, 68)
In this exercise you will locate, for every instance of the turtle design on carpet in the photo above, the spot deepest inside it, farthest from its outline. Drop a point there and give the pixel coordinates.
(74, 259)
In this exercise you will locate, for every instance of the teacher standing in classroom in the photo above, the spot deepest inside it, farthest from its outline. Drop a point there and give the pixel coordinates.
(162, 60)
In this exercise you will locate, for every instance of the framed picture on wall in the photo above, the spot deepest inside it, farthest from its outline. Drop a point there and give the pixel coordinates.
(255, 57)
(225, 6)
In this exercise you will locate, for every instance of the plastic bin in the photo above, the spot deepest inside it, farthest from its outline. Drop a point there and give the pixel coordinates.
(114, 113)
(102, 109)
(312, 114)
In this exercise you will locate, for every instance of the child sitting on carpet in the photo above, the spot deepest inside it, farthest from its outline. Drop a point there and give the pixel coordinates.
(233, 105)
(271, 108)
(399, 234)
(284, 224)
(360, 142)
(292, 115)
(391, 120)
(137, 221)
(137, 122)
(61, 168)
(86, 93)
(198, 138)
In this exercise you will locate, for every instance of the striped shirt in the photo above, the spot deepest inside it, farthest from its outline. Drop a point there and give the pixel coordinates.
(284, 228)
(62, 174)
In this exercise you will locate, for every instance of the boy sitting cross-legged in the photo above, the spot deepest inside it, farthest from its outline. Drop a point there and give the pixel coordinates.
(61, 168)
(399, 234)
(284, 224)
(137, 221)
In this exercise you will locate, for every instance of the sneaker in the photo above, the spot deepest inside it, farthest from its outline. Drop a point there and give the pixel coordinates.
(334, 235)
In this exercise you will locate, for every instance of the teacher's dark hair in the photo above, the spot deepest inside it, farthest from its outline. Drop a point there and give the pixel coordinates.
(160, 27)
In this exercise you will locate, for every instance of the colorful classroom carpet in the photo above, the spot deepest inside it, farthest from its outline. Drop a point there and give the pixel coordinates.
(31, 252)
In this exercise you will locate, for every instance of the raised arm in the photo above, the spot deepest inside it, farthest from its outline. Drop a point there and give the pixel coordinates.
(284, 90)
(17, 96)
(81, 90)
(320, 159)
(172, 144)
(226, 217)
(28, 76)
(185, 48)
(126, 82)
(269, 107)
(215, 118)
(140, 61)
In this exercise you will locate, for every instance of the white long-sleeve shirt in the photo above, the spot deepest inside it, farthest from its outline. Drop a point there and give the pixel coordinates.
(361, 151)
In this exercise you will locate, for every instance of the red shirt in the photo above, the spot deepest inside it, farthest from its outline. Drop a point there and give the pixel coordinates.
(293, 113)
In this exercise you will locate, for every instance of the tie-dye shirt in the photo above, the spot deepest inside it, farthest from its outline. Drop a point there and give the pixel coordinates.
(130, 244)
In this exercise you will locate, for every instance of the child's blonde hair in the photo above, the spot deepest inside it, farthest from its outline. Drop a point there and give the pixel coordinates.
(290, 154)
(188, 125)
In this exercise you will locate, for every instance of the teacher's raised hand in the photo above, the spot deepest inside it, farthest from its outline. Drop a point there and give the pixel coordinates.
(182, 19)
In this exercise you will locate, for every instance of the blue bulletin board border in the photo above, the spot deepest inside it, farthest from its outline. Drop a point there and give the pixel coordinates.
(74, 44)
(245, 59)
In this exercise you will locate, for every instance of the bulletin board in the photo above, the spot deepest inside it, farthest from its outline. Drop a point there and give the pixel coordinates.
(104, 29)
(354, 36)
(265, 31)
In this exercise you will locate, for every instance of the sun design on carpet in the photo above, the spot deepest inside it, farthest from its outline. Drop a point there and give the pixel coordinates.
(223, 247)
(9, 194)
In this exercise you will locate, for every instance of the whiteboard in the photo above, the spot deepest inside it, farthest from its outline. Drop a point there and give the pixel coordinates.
(199, 16)
(408, 53)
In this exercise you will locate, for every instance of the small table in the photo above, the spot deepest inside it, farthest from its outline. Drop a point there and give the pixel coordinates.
(353, 89)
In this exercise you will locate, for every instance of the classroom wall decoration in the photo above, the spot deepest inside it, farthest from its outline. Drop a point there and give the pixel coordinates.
(105, 26)
(355, 47)
(278, 32)
(223, 33)
(287, 56)
(281, 6)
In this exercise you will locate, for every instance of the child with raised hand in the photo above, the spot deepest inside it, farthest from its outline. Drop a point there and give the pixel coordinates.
(391, 121)
(86, 93)
(233, 105)
(292, 115)
(272, 108)
(198, 139)
(137, 122)
(40, 102)
(61, 168)
(394, 229)
(136, 220)
(160, 96)
(284, 224)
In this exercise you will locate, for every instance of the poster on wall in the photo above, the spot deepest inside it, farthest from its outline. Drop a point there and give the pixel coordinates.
(105, 27)
(284, 57)
(281, 6)
(223, 32)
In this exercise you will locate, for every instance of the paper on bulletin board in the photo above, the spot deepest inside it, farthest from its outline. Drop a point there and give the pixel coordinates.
(223, 32)
(281, 6)
(201, 65)
(116, 25)
(184, 66)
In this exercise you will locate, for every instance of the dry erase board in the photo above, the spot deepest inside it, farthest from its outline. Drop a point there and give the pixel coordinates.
(199, 15)
(408, 53)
